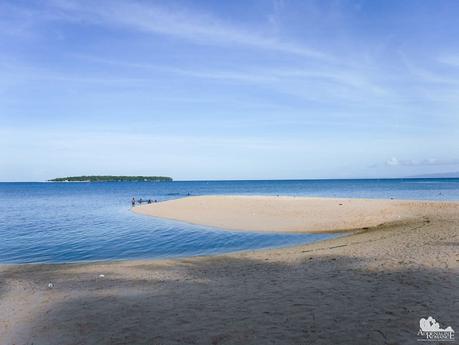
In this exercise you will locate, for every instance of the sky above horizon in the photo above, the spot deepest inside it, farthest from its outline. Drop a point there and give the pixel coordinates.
(228, 89)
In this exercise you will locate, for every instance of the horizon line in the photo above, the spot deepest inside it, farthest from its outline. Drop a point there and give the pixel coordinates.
(239, 180)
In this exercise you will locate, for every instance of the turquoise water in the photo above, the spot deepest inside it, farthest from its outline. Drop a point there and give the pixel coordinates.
(66, 222)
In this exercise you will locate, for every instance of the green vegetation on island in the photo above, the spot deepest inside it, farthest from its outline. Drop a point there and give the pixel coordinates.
(110, 178)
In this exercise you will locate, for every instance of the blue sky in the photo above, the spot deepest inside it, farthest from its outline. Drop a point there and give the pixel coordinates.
(228, 89)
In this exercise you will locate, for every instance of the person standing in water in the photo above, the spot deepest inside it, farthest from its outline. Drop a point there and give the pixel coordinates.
(133, 202)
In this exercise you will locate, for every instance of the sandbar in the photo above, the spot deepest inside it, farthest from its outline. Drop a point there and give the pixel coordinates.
(286, 213)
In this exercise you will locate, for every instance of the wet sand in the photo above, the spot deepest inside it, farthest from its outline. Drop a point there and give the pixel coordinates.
(371, 287)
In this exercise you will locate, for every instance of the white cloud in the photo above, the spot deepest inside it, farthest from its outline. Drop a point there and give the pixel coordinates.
(393, 161)
(424, 162)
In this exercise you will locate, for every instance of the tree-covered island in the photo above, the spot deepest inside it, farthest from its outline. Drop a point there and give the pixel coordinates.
(110, 178)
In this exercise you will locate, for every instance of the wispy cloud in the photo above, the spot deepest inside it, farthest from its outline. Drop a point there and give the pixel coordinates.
(450, 60)
(300, 81)
(197, 27)
(424, 162)
(320, 77)
(427, 75)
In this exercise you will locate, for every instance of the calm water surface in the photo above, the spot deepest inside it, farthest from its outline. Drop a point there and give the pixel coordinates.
(64, 222)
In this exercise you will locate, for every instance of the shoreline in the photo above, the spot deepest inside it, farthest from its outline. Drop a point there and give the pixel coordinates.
(161, 260)
(182, 257)
(340, 234)
(371, 287)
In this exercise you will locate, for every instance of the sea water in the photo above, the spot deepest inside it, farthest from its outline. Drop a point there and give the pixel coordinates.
(67, 222)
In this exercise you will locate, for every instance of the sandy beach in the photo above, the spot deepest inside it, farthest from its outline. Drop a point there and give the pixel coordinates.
(401, 263)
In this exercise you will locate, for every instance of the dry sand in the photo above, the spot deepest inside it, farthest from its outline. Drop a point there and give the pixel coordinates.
(284, 213)
(371, 287)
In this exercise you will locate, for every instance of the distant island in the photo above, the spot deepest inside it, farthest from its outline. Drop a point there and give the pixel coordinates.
(109, 178)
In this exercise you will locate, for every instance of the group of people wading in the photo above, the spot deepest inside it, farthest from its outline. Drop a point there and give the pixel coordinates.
(140, 201)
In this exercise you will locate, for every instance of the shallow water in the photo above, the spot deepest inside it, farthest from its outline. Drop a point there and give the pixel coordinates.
(64, 222)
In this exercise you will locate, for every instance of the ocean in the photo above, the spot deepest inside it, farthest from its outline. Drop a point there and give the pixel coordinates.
(70, 222)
